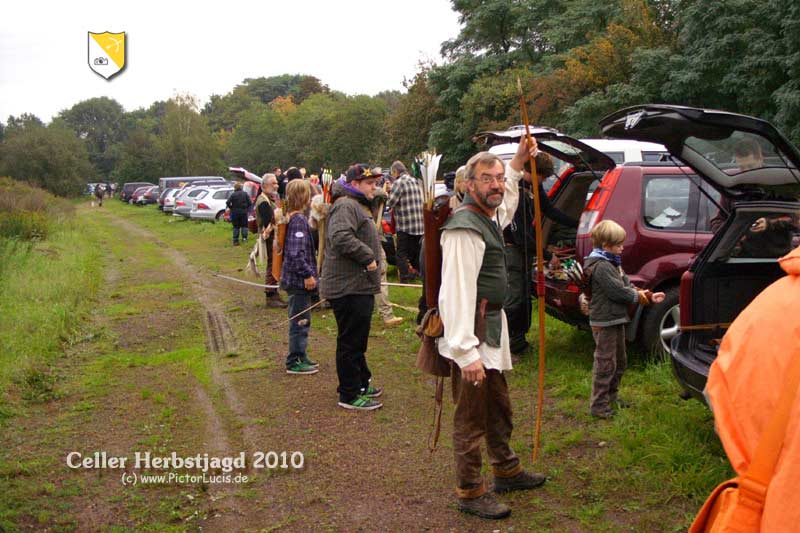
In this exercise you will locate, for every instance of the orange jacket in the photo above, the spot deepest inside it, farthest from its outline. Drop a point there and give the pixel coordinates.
(744, 383)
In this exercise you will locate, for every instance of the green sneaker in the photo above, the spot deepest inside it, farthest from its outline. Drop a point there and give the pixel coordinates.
(301, 368)
(361, 403)
(310, 362)
(371, 392)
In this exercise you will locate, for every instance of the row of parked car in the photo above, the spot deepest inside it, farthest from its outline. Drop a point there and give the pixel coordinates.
(195, 197)
(706, 220)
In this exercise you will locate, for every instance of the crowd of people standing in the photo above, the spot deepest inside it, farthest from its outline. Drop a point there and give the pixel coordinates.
(484, 299)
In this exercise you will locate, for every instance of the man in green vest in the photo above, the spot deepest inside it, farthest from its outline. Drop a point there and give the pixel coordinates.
(474, 283)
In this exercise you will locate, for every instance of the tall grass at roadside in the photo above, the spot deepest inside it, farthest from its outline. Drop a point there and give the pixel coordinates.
(29, 213)
(47, 279)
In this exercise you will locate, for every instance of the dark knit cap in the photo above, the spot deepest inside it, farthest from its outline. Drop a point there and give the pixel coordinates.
(359, 172)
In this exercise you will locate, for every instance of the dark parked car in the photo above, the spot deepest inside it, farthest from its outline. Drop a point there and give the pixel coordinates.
(129, 188)
(755, 170)
(149, 196)
(664, 213)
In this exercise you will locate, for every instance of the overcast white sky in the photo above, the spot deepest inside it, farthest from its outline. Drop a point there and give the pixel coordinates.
(203, 48)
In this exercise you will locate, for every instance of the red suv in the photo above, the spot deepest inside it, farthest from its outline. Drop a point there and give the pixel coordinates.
(665, 214)
(756, 170)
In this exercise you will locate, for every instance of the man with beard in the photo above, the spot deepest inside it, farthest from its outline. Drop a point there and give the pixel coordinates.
(265, 217)
(474, 284)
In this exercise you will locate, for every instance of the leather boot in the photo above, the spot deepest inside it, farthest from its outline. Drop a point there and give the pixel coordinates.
(484, 506)
(522, 481)
(275, 300)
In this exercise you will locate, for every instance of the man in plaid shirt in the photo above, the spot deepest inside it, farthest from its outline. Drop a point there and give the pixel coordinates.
(406, 200)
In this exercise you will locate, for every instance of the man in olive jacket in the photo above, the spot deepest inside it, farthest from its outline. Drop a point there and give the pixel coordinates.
(349, 281)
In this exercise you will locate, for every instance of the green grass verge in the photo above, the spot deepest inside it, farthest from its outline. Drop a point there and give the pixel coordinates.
(47, 288)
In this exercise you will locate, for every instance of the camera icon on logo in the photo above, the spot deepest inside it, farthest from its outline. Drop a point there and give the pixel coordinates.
(100, 61)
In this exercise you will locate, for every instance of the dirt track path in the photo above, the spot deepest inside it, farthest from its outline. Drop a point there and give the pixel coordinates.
(362, 471)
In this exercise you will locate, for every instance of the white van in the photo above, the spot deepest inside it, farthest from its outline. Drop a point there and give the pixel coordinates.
(624, 151)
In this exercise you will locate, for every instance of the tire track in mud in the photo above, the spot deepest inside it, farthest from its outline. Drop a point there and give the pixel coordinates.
(220, 341)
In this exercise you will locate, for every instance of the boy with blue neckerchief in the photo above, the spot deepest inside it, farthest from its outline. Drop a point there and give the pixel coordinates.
(612, 295)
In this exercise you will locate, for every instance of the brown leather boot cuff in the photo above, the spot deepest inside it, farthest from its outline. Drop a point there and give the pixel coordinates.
(507, 473)
(475, 492)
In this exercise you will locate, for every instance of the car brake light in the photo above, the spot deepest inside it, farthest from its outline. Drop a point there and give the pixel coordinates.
(598, 202)
(180, 202)
(685, 298)
(201, 205)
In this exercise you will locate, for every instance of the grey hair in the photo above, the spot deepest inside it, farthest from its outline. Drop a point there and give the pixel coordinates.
(268, 175)
(481, 158)
(399, 168)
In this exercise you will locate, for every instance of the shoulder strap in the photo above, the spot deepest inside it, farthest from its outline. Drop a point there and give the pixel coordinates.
(469, 207)
(477, 210)
(754, 483)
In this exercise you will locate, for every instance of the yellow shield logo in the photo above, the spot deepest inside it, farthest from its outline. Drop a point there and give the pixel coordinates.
(107, 53)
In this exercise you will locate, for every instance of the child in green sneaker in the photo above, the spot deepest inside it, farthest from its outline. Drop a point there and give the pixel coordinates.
(298, 277)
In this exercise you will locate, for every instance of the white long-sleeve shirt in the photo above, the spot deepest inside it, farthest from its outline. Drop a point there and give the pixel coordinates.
(462, 257)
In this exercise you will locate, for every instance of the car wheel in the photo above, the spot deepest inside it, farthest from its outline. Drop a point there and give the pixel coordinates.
(219, 216)
(661, 323)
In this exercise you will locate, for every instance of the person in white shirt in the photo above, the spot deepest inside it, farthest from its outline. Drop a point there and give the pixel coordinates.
(474, 283)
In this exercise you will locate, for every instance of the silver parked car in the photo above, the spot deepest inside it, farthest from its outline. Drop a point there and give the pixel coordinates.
(184, 199)
(210, 205)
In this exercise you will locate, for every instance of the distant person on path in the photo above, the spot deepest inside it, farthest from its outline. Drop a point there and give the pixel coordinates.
(99, 193)
(405, 198)
(350, 280)
(238, 203)
(612, 295)
(298, 277)
(476, 333)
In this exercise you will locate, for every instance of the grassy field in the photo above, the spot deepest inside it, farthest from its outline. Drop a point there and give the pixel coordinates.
(131, 341)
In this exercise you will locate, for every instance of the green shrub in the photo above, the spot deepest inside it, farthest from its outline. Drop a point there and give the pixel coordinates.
(23, 225)
(27, 212)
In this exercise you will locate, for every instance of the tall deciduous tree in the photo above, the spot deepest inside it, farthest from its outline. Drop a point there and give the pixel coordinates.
(51, 157)
(259, 141)
(100, 122)
(187, 147)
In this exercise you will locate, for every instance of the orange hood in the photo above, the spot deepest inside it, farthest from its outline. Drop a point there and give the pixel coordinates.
(744, 383)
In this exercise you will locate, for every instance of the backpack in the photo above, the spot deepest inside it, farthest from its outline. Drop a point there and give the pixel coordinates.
(583, 279)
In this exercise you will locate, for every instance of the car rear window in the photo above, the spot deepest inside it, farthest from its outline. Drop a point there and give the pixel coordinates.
(222, 195)
(758, 234)
(618, 157)
(666, 203)
(653, 156)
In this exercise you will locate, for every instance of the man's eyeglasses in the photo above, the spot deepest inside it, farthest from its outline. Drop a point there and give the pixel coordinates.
(486, 179)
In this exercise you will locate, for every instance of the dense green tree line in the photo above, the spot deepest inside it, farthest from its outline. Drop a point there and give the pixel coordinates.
(577, 59)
